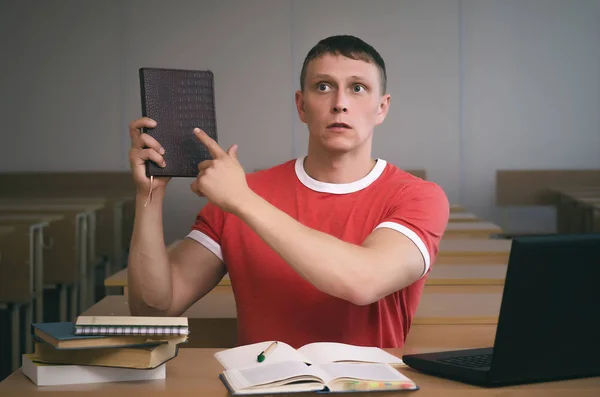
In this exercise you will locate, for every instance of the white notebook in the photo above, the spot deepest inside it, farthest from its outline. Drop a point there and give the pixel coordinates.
(131, 325)
(322, 366)
(60, 374)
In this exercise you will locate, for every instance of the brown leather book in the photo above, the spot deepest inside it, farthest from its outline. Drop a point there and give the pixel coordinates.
(142, 357)
(179, 101)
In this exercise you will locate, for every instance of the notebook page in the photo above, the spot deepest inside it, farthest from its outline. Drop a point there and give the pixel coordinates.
(364, 371)
(246, 356)
(273, 374)
(327, 352)
(346, 377)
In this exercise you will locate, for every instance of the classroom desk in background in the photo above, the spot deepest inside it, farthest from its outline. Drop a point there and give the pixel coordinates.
(595, 218)
(471, 230)
(587, 209)
(573, 207)
(456, 208)
(6, 245)
(473, 251)
(463, 217)
(36, 225)
(194, 372)
(61, 253)
(83, 211)
(582, 217)
(467, 274)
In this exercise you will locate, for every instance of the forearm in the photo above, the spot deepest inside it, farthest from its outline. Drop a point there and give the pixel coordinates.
(333, 266)
(149, 272)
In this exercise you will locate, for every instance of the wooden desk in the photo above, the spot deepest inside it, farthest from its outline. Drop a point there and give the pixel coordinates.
(456, 208)
(471, 230)
(473, 251)
(35, 223)
(463, 217)
(596, 218)
(194, 372)
(84, 213)
(6, 230)
(467, 274)
(569, 202)
(585, 213)
(7, 255)
(459, 304)
(62, 254)
(577, 209)
(213, 319)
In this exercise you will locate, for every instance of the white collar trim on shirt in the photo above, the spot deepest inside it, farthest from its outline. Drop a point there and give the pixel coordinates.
(338, 188)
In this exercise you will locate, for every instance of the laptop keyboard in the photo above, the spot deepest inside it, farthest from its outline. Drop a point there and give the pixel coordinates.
(477, 361)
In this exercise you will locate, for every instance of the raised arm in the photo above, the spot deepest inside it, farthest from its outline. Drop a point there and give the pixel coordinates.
(161, 282)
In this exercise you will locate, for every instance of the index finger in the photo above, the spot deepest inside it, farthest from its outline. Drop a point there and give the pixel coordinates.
(213, 147)
(142, 122)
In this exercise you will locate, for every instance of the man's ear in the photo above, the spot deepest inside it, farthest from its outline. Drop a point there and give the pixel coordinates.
(300, 105)
(383, 108)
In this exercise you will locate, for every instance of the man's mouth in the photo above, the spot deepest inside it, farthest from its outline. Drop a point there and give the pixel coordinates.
(338, 125)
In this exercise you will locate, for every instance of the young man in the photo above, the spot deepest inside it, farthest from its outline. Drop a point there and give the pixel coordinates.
(333, 246)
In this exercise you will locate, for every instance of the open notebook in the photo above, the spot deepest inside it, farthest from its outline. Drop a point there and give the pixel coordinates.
(321, 366)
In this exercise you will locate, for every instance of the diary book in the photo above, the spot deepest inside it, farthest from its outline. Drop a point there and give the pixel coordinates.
(323, 367)
(61, 335)
(179, 101)
(142, 357)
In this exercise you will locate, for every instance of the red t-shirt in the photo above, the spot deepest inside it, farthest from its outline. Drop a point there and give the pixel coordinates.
(275, 303)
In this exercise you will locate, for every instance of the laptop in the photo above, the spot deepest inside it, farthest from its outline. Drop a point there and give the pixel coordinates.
(549, 323)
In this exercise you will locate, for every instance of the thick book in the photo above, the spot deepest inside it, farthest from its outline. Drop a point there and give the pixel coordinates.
(61, 335)
(131, 325)
(323, 367)
(141, 357)
(179, 101)
(42, 374)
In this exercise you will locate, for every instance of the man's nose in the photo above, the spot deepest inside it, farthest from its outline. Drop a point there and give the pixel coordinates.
(341, 104)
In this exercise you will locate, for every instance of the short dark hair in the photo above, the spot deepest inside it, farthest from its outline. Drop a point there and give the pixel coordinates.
(350, 47)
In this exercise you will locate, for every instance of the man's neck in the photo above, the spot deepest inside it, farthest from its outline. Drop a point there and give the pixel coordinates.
(345, 168)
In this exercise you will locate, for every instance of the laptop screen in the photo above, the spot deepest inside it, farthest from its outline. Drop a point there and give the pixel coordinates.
(549, 323)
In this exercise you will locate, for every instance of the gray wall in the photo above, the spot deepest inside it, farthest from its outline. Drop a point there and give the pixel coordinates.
(477, 85)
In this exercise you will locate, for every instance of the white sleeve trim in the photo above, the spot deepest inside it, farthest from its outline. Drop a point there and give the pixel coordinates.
(207, 242)
(414, 237)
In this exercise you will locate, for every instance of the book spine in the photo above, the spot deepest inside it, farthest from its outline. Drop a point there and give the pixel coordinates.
(142, 78)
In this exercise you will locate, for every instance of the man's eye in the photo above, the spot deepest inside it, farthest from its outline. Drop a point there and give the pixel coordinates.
(358, 88)
(322, 87)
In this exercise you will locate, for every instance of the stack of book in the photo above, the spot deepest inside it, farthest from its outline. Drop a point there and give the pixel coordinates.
(100, 349)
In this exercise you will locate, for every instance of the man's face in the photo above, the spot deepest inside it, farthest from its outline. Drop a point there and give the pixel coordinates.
(341, 102)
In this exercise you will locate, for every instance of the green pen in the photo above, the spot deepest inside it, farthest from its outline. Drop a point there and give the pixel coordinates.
(261, 357)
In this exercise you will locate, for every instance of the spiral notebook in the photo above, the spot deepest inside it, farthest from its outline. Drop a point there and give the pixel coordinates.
(131, 325)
